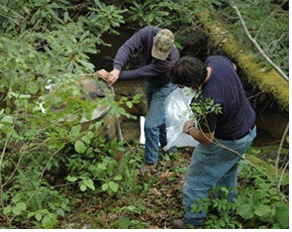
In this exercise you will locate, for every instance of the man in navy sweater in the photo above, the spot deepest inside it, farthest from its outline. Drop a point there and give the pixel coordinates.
(223, 137)
(158, 55)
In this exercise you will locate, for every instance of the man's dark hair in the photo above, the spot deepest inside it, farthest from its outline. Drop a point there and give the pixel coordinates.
(187, 71)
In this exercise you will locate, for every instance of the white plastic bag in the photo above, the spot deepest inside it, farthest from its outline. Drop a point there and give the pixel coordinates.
(177, 112)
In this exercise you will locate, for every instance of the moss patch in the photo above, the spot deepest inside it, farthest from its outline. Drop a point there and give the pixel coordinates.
(267, 168)
(267, 80)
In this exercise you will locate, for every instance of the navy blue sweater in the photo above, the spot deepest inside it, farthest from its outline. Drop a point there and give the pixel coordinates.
(153, 70)
(224, 86)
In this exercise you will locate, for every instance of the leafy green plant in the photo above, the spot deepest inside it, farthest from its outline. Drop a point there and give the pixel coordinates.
(43, 158)
(169, 14)
(106, 16)
(260, 200)
(258, 203)
(219, 209)
(201, 108)
(44, 43)
(126, 223)
(267, 22)
(49, 220)
(149, 11)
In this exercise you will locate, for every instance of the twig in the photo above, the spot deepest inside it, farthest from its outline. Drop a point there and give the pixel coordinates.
(1, 186)
(218, 143)
(22, 154)
(1, 181)
(264, 23)
(243, 157)
(43, 171)
(284, 169)
(257, 45)
(278, 157)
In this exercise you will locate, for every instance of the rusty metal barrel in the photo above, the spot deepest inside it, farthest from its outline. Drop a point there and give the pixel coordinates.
(110, 128)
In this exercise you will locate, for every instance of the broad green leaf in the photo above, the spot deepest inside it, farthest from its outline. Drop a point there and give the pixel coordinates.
(86, 139)
(118, 177)
(245, 211)
(75, 131)
(47, 223)
(114, 186)
(282, 216)
(7, 120)
(80, 146)
(16, 211)
(45, 211)
(89, 184)
(60, 212)
(104, 187)
(71, 178)
(20, 206)
(65, 206)
(30, 214)
(7, 210)
(24, 96)
(83, 187)
(262, 210)
(90, 134)
(38, 216)
(129, 104)
(101, 166)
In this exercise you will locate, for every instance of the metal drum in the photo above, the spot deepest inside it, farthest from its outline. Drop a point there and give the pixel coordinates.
(110, 127)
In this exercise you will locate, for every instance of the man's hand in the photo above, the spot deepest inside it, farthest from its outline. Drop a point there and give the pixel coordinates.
(102, 73)
(202, 137)
(113, 77)
(187, 126)
(110, 77)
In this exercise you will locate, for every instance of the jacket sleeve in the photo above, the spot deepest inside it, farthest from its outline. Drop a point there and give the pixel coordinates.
(130, 48)
(152, 70)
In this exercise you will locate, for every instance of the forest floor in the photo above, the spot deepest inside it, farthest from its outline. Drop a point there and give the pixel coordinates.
(149, 201)
(153, 201)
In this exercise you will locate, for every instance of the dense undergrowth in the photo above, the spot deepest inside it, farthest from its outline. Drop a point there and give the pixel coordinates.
(53, 174)
(151, 200)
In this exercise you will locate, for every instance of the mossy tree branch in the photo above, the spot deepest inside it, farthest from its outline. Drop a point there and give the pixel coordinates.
(261, 51)
(267, 80)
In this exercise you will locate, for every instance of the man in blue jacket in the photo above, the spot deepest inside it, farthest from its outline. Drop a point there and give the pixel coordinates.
(223, 138)
(158, 55)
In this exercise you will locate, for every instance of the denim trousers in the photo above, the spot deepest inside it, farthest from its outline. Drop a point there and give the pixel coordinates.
(213, 165)
(155, 128)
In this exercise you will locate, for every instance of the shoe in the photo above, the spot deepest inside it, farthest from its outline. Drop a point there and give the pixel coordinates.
(179, 224)
(172, 150)
(148, 168)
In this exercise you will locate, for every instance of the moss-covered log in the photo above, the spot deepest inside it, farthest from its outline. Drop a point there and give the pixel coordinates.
(269, 169)
(268, 81)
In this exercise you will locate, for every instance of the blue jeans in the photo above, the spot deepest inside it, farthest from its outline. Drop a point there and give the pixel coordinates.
(155, 128)
(212, 165)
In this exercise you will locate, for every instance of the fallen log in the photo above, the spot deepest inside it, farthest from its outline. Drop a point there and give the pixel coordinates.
(267, 80)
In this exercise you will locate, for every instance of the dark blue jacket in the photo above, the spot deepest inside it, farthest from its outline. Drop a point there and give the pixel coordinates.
(154, 70)
(224, 86)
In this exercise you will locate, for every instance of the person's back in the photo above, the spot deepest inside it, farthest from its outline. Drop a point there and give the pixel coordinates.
(224, 86)
(152, 69)
(224, 138)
